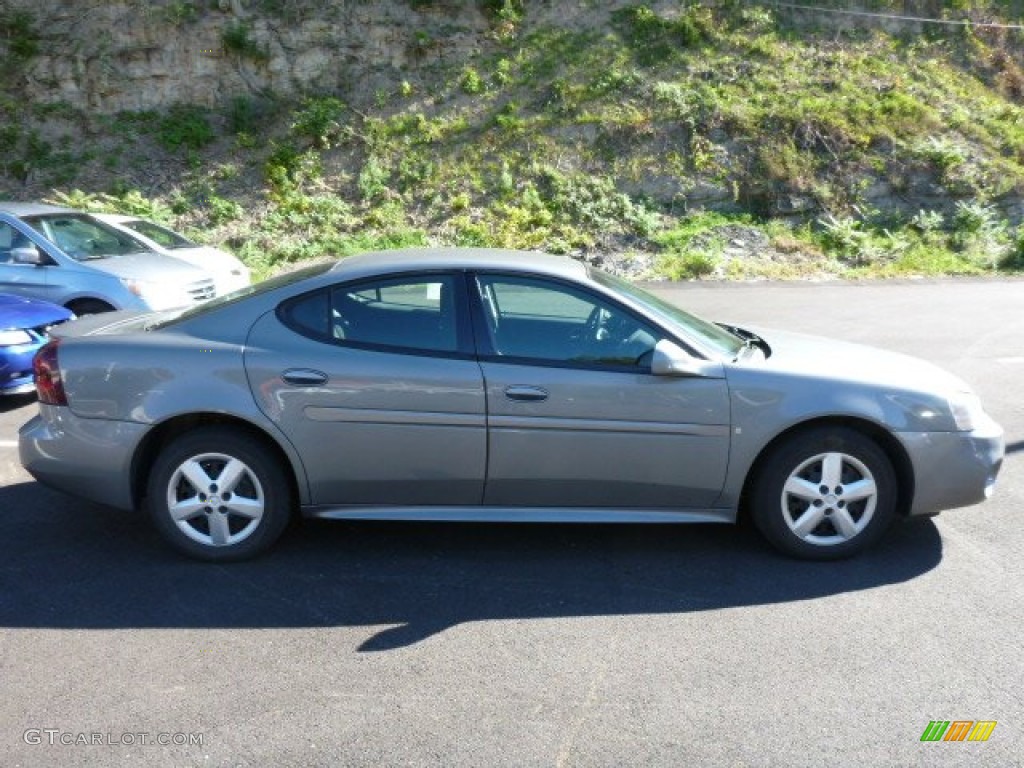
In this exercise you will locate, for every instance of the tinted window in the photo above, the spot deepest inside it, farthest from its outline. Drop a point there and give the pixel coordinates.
(309, 315)
(542, 320)
(414, 313)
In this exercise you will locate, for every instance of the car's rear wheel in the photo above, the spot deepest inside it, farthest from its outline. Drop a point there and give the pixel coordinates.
(218, 494)
(824, 494)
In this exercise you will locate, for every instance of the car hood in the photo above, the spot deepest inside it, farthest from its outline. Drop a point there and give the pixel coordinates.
(150, 267)
(18, 312)
(842, 361)
(205, 257)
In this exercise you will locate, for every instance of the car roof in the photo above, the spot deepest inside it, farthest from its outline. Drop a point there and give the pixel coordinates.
(439, 258)
(32, 209)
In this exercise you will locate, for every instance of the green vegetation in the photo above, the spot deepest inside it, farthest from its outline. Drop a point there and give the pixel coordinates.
(237, 39)
(18, 32)
(710, 141)
(185, 127)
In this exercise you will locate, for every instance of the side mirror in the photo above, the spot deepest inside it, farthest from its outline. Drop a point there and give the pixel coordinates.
(28, 254)
(672, 360)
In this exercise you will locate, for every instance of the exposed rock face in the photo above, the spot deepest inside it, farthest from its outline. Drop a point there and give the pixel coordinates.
(114, 56)
(131, 55)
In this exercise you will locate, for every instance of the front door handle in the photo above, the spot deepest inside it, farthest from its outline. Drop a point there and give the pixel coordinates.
(304, 377)
(525, 393)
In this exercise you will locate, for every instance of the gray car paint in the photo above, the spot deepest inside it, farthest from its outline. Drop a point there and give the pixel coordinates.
(122, 382)
(370, 433)
(663, 443)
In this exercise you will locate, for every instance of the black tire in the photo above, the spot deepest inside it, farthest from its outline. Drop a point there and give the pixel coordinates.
(83, 307)
(222, 524)
(816, 517)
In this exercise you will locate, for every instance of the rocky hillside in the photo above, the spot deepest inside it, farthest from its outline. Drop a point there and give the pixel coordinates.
(665, 139)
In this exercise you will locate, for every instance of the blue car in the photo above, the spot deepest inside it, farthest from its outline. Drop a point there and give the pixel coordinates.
(24, 324)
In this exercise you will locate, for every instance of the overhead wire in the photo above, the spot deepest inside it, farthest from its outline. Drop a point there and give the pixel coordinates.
(895, 17)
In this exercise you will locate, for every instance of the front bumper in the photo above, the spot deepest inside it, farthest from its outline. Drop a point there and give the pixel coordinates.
(89, 458)
(16, 377)
(953, 469)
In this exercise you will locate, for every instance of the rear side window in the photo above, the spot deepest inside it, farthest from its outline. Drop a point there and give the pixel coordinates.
(309, 314)
(412, 313)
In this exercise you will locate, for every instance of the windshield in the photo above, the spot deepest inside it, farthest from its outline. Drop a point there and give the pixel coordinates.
(255, 289)
(83, 238)
(159, 235)
(709, 334)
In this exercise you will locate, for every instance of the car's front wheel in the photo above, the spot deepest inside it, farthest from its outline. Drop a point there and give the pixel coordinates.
(218, 494)
(824, 494)
(83, 307)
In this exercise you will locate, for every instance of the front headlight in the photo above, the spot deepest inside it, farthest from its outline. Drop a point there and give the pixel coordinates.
(156, 295)
(135, 286)
(14, 338)
(967, 410)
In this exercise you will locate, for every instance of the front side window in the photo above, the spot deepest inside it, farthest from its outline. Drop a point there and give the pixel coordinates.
(407, 313)
(709, 334)
(83, 238)
(556, 323)
(10, 238)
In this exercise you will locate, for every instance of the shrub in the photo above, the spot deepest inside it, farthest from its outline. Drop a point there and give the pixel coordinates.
(656, 39)
(236, 39)
(688, 265)
(18, 29)
(373, 179)
(471, 82)
(185, 126)
(320, 120)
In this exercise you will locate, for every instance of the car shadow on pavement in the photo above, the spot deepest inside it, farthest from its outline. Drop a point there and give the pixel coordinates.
(14, 402)
(69, 564)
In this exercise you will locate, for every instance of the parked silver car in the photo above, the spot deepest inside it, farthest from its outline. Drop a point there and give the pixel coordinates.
(70, 258)
(448, 384)
(227, 271)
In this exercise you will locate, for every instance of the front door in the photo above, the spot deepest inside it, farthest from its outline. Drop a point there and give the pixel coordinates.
(576, 418)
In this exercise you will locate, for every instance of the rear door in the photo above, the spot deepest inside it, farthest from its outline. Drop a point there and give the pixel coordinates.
(576, 418)
(376, 385)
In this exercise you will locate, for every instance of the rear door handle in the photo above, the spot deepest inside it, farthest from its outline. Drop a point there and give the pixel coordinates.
(525, 393)
(304, 377)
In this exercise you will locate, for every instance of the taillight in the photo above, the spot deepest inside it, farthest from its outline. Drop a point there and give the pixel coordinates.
(49, 385)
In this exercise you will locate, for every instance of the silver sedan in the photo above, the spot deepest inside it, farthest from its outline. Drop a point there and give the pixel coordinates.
(450, 384)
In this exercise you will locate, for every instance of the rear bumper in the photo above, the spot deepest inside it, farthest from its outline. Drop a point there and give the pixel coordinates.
(90, 458)
(953, 469)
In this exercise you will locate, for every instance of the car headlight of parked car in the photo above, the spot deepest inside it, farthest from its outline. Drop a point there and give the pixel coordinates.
(14, 338)
(967, 411)
(156, 295)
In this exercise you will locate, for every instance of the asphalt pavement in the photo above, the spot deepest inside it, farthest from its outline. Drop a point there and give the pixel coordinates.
(386, 644)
